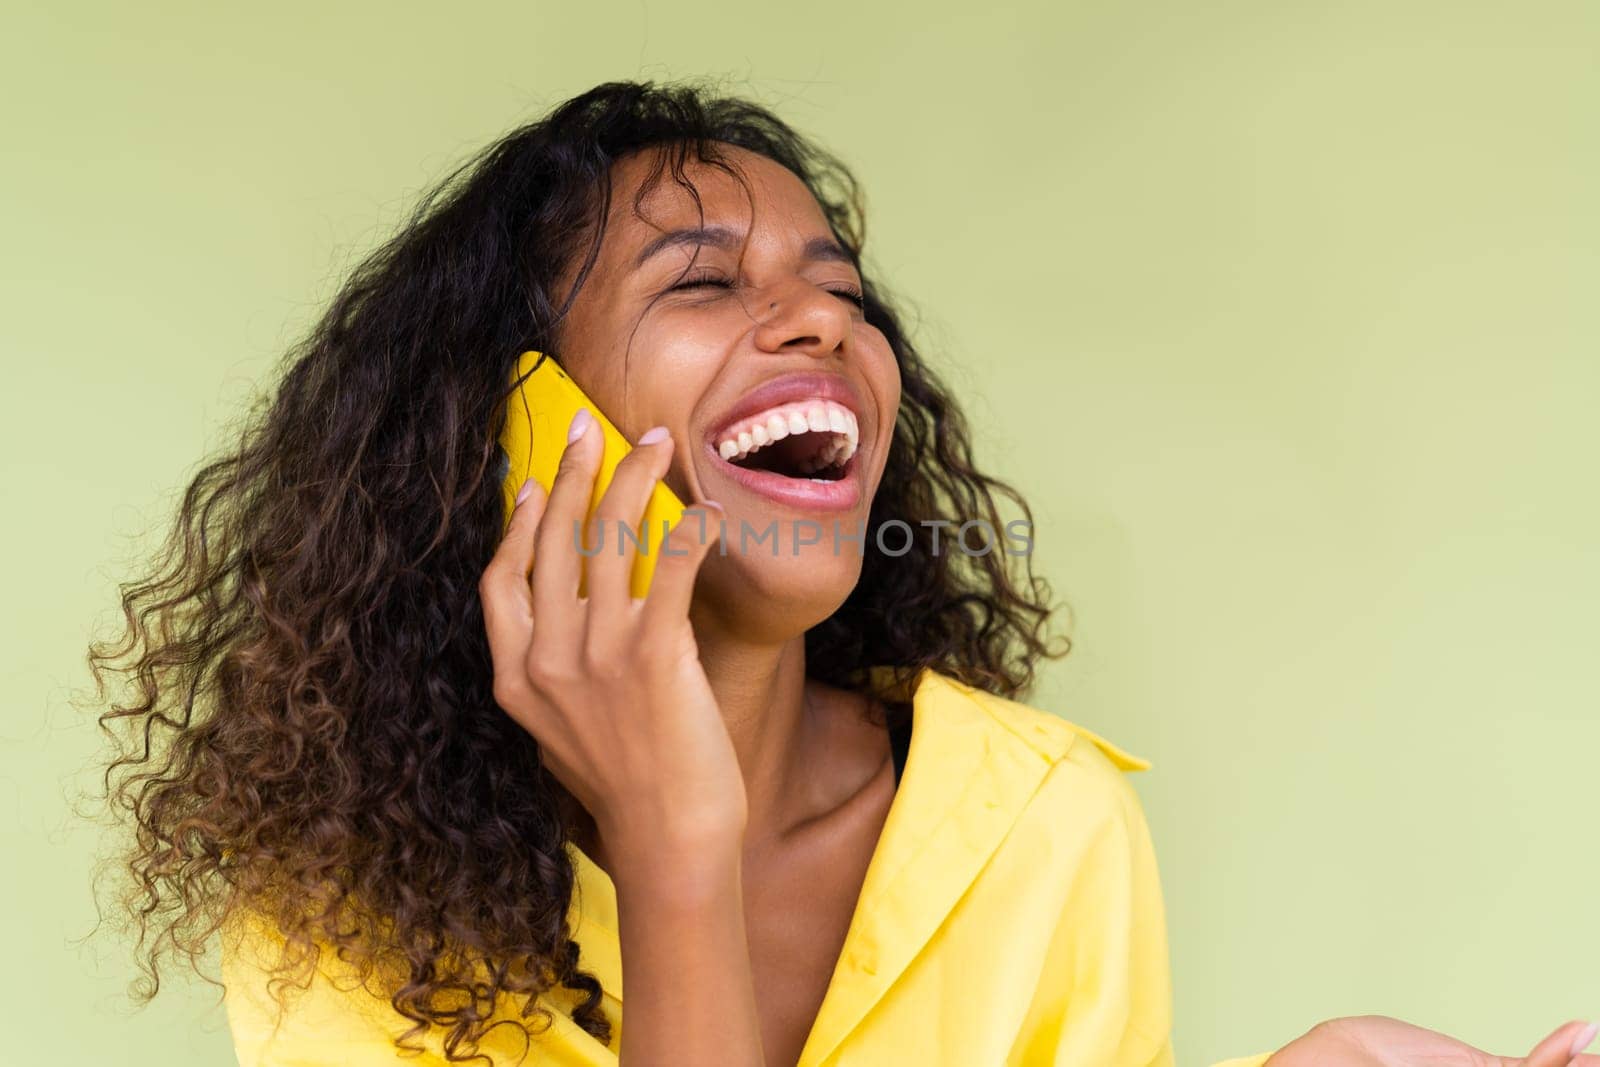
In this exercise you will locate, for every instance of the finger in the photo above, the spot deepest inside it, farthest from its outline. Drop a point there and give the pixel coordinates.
(503, 587)
(506, 599)
(555, 580)
(620, 517)
(682, 552)
(1560, 1047)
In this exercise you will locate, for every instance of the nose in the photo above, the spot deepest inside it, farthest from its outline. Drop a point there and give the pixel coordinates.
(798, 316)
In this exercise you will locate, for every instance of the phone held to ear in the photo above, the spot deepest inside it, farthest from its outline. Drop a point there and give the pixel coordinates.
(533, 440)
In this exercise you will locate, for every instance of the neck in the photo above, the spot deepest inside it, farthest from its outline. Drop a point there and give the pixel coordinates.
(762, 693)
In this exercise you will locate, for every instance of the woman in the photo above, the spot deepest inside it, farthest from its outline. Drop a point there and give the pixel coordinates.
(791, 789)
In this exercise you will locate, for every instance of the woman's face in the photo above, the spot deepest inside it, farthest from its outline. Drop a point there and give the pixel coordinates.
(762, 371)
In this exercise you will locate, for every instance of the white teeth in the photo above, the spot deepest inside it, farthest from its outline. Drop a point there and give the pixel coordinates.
(835, 454)
(825, 417)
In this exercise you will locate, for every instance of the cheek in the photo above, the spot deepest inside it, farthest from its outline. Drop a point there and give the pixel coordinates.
(664, 389)
(687, 335)
(657, 378)
(884, 374)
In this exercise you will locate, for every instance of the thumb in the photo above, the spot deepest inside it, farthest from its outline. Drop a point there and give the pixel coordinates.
(1560, 1047)
(682, 551)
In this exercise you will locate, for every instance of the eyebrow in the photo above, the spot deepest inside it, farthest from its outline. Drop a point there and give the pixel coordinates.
(818, 248)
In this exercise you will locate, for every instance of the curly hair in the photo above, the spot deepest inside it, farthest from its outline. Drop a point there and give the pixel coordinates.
(309, 729)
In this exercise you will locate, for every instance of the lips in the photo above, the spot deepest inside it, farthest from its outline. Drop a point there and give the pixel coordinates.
(839, 494)
(763, 470)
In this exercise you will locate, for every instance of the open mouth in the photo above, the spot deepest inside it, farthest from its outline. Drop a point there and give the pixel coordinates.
(814, 441)
(820, 456)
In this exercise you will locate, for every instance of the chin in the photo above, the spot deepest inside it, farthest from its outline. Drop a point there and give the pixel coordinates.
(772, 599)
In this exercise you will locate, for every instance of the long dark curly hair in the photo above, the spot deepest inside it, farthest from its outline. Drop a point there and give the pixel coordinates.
(308, 728)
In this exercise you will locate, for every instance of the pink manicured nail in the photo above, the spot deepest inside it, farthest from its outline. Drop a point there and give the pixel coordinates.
(713, 504)
(580, 423)
(652, 435)
(1581, 1042)
(527, 487)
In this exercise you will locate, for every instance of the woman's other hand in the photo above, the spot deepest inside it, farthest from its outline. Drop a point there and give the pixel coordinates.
(611, 686)
(1379, 1041)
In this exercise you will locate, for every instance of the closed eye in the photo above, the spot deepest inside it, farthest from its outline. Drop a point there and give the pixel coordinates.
(717, 281)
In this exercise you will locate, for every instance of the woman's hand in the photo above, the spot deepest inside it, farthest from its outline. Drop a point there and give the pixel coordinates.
(611, 686)
(612, 689)
(1379, 1041)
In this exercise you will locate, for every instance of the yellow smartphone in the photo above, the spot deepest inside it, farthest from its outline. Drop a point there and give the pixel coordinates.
(534, 438)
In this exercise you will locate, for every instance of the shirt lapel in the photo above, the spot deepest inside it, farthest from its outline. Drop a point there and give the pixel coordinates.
(966, 781)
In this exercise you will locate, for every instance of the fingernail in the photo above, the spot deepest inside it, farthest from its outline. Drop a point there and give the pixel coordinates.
(580, 423)
(712, 504)
(1581, 1042)
(527, 487)
(652, 435)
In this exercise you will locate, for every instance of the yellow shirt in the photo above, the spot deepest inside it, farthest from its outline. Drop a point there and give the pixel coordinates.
(1011, 914)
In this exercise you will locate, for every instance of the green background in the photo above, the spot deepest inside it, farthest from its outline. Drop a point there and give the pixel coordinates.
(1283, 315)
